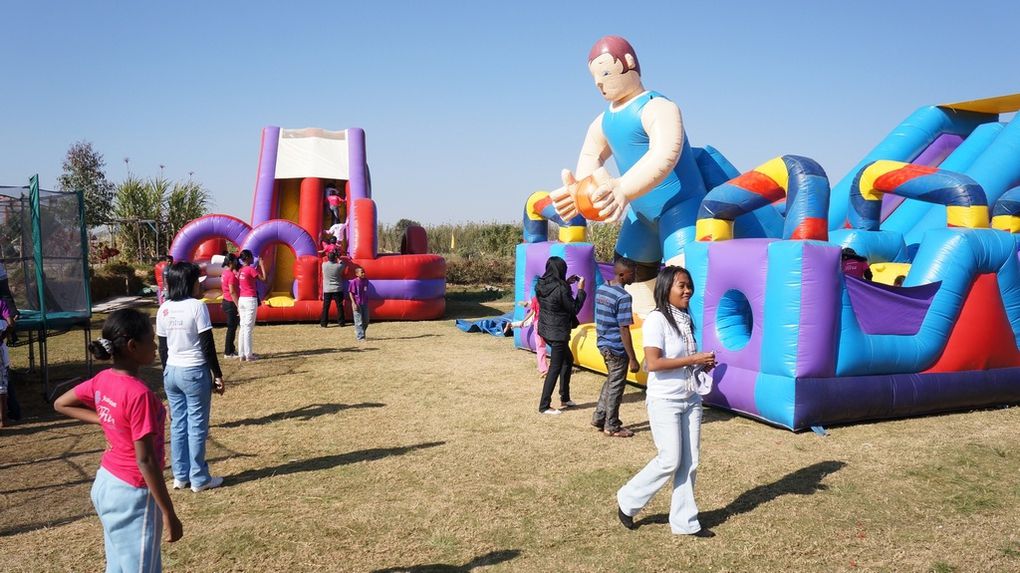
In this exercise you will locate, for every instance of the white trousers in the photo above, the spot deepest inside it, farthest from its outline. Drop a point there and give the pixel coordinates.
(247, 306)
(676, 431)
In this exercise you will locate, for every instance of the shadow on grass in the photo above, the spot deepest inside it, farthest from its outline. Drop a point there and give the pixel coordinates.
(303, 414)
(404, 337)
(314, 352)
(627, 399)
(16, 529)
(708, 415)
(804, 481)
(324, 462)
(471, 304)
(18, 430)
(492, 558)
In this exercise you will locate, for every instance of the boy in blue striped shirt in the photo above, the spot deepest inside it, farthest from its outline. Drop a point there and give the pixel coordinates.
(613, 317)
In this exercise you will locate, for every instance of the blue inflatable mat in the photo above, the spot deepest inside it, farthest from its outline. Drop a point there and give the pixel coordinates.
(493, 325)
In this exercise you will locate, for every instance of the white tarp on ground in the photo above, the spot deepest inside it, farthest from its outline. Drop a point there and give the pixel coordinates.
(312, 152)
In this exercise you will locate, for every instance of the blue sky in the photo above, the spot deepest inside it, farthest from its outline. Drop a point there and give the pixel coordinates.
(470, 106)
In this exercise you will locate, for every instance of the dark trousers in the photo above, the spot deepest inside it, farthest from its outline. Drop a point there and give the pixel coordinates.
(334, 215)
(607, 412)
(561, 360)
(233, 319)
(327, 297)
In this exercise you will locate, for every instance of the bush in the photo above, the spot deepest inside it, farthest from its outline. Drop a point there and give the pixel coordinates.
(119, 279)
(479, 270)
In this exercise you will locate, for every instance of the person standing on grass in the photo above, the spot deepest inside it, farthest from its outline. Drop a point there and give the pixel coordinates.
(129, 493)
(231, 293)
(613, 317)
(190, 373)
(358, 291)
(677, 378)
(334, 288)
(248, 302)
(557, 318)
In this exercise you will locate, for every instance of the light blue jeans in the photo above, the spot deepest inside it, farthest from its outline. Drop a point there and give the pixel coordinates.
(676, 431)
(189, 392)
(360, 312)
(132, 524)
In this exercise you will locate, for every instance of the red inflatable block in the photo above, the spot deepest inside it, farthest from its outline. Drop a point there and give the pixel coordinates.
(982, 338)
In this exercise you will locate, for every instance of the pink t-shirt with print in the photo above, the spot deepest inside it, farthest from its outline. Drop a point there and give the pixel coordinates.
(246, 280)
(226, 280)
(128, 411)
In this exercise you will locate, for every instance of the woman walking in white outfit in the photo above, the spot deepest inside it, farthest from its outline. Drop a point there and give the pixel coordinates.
(677, 377)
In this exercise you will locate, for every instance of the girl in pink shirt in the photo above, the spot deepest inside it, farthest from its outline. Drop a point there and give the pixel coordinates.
(247, 303)
(129, 493)
(231, 294)
(334, 200)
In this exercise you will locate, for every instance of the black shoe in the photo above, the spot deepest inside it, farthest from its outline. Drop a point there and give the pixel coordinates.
(625, 519)
(704, 533)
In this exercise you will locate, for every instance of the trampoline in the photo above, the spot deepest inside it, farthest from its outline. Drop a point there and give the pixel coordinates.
(44, 247)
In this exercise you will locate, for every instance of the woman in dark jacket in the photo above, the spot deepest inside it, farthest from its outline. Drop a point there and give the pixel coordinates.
(558, 317)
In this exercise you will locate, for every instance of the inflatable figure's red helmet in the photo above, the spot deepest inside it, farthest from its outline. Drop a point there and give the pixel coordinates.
(617, 47)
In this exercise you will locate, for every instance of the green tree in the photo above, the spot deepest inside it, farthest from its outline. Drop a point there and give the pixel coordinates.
(83, 170)
(138, 210)
(185, 202)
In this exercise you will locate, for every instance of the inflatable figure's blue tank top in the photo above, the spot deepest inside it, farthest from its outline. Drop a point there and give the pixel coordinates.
(629, 142)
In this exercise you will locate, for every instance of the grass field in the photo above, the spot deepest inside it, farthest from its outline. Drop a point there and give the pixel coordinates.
(421, 450)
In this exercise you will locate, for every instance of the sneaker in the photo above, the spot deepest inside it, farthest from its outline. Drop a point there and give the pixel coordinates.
(625, 519)
(620, 433)
(704, 533)
(229, 356)
(551, 412)
(214, 482)
(178, 484)
(568, 404)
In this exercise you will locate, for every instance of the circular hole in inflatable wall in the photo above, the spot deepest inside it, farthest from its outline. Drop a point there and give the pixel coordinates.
(733, 320)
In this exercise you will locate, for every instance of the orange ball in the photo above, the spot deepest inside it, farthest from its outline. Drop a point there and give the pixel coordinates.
(581, 192)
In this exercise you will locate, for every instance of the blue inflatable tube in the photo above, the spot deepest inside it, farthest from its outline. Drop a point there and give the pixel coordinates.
(904, 144)
(912, 217)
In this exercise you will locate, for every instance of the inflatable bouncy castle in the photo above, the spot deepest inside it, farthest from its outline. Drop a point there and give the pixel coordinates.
(799, 343)
(289, 216)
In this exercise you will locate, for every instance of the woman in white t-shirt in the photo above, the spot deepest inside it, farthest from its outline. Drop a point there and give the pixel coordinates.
(191, 372)
(677, 378)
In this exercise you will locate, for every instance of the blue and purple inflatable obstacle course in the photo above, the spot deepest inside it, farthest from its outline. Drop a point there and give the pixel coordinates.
(799, 344)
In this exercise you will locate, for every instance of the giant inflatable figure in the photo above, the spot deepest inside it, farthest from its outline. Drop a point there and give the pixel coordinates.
(296, 167)
(934, 207)
(659, 179)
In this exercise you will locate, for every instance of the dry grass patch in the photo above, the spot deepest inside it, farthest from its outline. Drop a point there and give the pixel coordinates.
(421, 449)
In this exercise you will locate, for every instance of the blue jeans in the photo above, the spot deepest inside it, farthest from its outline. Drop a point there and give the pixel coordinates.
(132, 524)
(676, 431)
(189, 393)
(360, 320)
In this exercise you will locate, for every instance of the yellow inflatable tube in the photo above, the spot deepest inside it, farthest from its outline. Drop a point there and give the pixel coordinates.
(583, 343)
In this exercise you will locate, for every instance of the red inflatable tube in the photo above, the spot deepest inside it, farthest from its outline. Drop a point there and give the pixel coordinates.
(306, 273)
(209, 248)
(403, 267)
(362, 231)
(311, 310)
(415, 241)
(311, 207)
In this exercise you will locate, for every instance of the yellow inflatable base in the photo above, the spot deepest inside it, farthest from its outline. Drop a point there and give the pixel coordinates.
(280, 300)
(583, 343)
